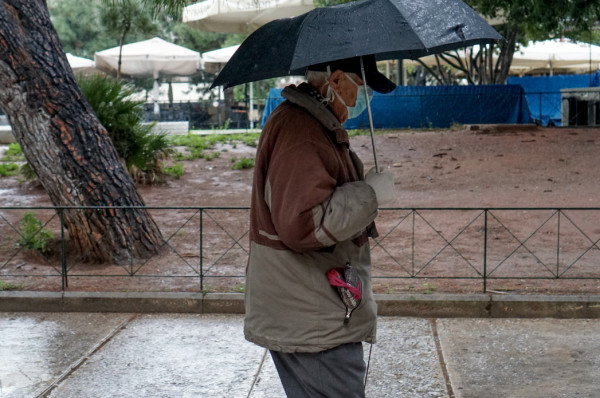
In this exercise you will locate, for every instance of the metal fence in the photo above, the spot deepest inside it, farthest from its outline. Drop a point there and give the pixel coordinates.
(206, 248)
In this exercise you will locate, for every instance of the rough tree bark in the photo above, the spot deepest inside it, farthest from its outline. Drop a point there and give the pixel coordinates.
(64, 142)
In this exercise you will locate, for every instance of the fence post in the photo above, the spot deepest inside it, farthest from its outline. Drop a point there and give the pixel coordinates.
(63, 250)
(558, 246)
(485, 229)
(200, 248)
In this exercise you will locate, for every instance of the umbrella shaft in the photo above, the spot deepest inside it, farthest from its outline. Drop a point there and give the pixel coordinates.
(364, 79)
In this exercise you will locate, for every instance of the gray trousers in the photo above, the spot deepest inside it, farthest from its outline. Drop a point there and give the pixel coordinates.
(335, 373)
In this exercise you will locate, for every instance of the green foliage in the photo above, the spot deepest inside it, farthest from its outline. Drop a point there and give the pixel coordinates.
(127, 16)
(9, 169)
(141, 150)
(541, 19)
(175, 171)
(225, 125)
(198, 40)
(243, 163)
(171, 7)
(13, 153)
(78, 26)
(211, 156)
(197, 144)
(28, 173)
(33, 235)
(9, 286)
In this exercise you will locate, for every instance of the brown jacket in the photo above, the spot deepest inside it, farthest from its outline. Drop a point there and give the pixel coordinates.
(310, 212)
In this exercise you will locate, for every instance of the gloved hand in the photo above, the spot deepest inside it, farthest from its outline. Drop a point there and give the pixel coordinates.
(383, 185)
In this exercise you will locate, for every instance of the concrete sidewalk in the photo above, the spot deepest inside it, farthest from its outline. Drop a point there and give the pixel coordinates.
(79, 354)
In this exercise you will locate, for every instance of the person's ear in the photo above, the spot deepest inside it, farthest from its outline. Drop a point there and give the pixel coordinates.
(334, 79)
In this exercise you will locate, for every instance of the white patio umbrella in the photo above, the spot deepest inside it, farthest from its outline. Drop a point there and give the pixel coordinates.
(544, 57)
(215, 60)
(80, 64)
(241, 16)
(556, 54)
(150, 58)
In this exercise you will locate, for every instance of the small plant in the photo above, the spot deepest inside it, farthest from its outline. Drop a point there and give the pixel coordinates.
(429, 289)
(28, 173)
(33, 235)
(176, 171)
(240, 288)
(13, 153)
(211, 156)
(225, 125)
(243, 163)
(9, 286)
(9, 169)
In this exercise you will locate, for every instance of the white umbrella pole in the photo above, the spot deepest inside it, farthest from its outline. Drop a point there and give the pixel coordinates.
(155, 90)
(364, 79)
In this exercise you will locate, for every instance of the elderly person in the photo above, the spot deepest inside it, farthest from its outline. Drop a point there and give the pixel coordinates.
(312, 211)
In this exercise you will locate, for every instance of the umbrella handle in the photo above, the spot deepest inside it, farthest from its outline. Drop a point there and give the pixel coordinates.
(364, 79)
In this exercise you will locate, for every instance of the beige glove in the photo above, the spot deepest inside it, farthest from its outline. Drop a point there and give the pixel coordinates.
(383, 185)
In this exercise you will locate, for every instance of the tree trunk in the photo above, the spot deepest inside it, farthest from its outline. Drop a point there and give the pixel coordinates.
(127, 26)
(507, 50)
(64, 142)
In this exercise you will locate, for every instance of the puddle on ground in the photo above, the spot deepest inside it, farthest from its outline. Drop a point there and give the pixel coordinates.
(12, 197)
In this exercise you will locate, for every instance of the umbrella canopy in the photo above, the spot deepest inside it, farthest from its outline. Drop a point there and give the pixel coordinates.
(150, 58)
(556, 54)
(215, 59)
(390, 29)
(547, 56)
(80, 64)
(241, 16)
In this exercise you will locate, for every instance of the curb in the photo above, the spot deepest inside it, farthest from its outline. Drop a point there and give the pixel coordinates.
(422, 306)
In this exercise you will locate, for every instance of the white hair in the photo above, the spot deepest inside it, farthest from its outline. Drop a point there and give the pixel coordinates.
(320, 80)
(317, 78)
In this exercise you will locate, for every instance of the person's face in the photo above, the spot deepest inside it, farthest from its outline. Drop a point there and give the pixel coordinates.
(346, 85)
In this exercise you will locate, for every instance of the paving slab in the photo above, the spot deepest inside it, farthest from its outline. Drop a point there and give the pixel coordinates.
(170, 355)
(37, 348)
(73, 355)
(404, 360)
(545, 358)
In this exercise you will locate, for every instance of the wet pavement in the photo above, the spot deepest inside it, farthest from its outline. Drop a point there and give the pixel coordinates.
(75, 354)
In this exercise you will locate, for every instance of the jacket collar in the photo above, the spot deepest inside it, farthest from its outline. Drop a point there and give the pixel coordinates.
(305, 96)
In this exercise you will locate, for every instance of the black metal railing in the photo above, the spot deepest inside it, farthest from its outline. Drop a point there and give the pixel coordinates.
(206, 248)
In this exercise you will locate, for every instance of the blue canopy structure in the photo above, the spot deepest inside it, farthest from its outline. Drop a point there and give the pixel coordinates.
(543, 93)
(436, 106)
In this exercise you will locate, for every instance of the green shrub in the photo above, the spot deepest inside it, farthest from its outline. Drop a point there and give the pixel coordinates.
(197, 144)
(33, 235)
(175, 171)
(9, 286)
(211, 156)
(9, 169)
(141, 150)
(28, 173)
(243, 163)
(13, 153)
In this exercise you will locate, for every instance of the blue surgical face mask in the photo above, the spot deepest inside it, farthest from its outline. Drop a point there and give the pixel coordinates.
(361, 100)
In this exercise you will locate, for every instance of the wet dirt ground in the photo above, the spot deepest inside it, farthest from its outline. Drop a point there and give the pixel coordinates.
(465, 167)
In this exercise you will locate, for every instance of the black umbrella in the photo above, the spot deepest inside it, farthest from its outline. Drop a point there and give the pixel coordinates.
(390, 29)
(387, 29)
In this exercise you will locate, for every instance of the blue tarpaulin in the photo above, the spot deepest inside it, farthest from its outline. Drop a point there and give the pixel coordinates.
(436, 106)
(543, 93)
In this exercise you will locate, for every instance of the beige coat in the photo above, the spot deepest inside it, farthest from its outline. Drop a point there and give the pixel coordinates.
(311, 212)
